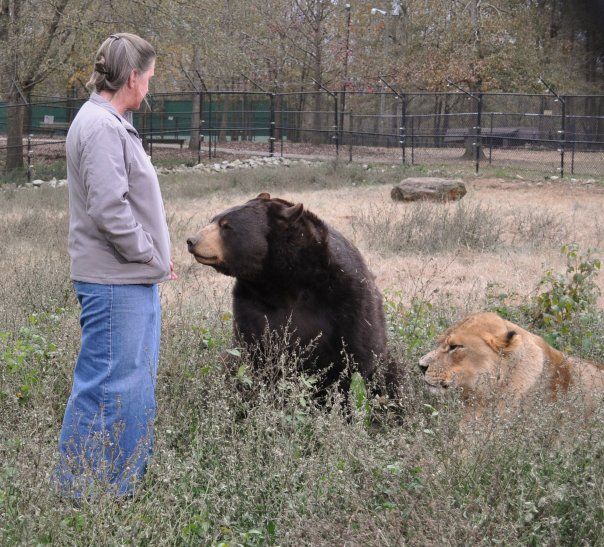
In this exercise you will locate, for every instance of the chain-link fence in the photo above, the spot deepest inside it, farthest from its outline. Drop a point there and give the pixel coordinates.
(542, 133)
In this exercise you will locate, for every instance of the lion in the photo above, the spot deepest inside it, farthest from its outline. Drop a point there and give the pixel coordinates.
(492, 360)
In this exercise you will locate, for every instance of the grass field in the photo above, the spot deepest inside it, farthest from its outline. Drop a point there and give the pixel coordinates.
(276, 469)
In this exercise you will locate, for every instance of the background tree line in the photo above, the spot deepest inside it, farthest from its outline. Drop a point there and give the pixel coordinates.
(47, 47)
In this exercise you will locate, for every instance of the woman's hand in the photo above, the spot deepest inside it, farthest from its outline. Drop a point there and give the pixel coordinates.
(173, 274)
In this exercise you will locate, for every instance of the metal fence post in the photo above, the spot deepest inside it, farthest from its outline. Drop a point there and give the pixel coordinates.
(562, 136)
(403, 128)
(281, 125)
(271, 127)
(478, 132)
(562, 130)
(491, 141)
(412, 140)
(29, 157)
(337, 122)
(210, 125)
(350, 136)
(200, 128)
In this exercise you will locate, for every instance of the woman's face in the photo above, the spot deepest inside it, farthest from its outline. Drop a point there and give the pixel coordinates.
(139, 86)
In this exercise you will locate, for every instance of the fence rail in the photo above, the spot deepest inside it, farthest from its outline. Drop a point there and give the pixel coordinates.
(546, 133)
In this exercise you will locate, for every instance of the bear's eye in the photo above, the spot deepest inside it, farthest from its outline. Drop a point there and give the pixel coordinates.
(224, 224)
(453, 347)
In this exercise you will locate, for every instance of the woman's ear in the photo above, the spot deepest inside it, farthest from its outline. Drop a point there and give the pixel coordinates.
(133, 78)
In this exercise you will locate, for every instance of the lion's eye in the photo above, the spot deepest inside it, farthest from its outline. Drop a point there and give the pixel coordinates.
(453, 347)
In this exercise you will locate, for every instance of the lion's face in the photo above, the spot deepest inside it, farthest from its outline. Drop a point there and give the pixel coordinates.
(469, 354)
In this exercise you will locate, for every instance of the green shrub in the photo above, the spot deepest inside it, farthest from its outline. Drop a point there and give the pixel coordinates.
(569, 297)
(24, 355)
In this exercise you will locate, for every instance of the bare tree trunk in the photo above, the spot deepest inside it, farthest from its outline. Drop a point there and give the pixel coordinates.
(10, 18)
(14, 131)
(14, 113)
(470, 149)
(317, 137)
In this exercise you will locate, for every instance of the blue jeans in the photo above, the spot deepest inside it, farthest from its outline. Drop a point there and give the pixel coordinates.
(107, 431)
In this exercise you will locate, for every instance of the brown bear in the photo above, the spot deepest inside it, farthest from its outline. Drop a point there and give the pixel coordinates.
(293, 270)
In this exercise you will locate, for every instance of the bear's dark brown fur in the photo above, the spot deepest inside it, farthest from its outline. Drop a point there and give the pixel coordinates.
(295, 271)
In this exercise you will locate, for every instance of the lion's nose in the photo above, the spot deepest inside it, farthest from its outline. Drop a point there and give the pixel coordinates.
(191, 242)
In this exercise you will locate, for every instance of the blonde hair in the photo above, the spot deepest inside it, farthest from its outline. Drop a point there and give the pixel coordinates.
(117, 57)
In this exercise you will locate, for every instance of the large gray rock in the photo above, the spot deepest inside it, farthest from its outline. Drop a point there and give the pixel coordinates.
(428, 188)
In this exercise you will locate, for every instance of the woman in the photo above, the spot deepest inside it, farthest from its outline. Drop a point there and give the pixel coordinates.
(120, 249)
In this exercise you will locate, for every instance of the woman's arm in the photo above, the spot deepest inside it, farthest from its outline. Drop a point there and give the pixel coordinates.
(103, 170)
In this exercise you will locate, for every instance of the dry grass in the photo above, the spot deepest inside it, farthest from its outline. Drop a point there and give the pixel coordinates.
(277, 469)
(458, 272)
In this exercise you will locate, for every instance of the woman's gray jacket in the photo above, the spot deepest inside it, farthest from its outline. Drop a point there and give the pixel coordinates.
(117, 223)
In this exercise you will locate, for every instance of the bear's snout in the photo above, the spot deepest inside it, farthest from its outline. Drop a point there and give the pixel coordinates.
(207, 246)
(191, 242)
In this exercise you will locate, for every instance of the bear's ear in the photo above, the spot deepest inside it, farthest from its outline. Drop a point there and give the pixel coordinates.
(293, 213)
(263, 195)
(502, 343)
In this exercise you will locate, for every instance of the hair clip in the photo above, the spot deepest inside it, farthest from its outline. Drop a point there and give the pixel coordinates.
(97, 68)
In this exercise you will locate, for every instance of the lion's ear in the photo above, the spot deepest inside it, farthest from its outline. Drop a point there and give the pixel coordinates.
(502, 343)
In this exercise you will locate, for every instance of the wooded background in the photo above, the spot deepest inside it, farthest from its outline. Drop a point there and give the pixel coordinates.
(288, 45)
(303, 46)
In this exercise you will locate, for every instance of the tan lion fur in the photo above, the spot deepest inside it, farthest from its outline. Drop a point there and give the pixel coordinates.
(494, 361)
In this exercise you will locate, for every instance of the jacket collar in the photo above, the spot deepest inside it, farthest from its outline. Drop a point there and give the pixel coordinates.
(103, 103)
